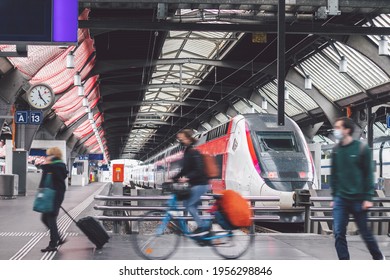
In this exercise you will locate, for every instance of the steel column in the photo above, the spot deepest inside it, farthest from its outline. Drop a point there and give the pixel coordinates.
(281, 59)
(370, 127)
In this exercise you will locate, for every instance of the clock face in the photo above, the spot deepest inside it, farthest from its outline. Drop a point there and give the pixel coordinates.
(40, 96)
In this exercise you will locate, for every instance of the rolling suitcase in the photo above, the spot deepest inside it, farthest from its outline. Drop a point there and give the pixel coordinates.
(92, 229)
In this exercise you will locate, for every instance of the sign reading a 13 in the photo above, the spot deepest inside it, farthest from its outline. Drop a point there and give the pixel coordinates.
(35, 117)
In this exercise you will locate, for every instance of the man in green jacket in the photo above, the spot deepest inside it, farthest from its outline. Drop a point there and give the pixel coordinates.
(352, 188)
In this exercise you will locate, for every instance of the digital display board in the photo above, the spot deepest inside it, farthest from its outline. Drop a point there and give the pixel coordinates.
(41, 21)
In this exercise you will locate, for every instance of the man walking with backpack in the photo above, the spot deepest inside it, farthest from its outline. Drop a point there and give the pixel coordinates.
(352, 188)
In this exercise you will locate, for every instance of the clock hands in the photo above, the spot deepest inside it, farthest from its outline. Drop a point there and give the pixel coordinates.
(40, 96)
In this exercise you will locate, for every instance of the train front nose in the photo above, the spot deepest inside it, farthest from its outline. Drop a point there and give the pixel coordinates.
(287, 212)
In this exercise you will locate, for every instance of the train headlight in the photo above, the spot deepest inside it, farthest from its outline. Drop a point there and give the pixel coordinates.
(302, 174)
(272, 175)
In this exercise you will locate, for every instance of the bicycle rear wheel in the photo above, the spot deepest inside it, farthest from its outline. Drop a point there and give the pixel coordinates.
(234, 245)
(156, 238)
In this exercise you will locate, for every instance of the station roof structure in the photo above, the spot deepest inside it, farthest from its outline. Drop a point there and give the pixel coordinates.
(151, 68)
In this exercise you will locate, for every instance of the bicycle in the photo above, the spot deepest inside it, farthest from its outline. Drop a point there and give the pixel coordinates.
(160, 231)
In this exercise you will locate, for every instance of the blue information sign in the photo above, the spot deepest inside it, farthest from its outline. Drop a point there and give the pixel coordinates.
(28, 117)
(95, 157)
(388, 120)
(21, 117)
(35, 117)
(83, 157)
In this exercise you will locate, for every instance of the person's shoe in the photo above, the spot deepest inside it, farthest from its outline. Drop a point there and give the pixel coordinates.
(199, 232)
(62, 241)
(49, 249)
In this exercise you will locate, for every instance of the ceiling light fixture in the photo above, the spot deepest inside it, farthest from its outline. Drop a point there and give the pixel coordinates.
(77, 79)
(80, 91)
(286, 93)
(308, 82)
(383, 46)
(70, 61)
(264, 104)
(343, 66)
(343, 63)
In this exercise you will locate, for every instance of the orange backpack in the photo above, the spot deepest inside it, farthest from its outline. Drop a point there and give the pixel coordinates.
(236, 209)
(210, 166)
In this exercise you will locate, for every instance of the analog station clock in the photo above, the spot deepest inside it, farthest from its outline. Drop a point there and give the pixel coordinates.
(40, 96)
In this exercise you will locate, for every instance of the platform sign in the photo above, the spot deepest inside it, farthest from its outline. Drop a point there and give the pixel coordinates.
(21, 117)
(95, 157)
(388, 120)
(35, 117)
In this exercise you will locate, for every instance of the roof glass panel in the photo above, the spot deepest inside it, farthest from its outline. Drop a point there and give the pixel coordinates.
(222, 118)
(184, 44)
(257, 107)
(327, 78)
(322, 140)
(242, 107)
(361, 69)
(301, 97)
(292, 106)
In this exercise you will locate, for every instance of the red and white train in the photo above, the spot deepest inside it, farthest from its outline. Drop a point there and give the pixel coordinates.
(256, 157)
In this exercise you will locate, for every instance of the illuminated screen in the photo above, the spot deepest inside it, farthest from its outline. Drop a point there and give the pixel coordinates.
(38, 20)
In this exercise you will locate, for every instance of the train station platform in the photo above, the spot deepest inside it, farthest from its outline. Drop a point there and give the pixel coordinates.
(22, 235)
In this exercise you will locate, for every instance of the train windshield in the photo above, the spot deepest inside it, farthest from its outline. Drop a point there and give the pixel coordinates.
(277, 142)
(282, 158)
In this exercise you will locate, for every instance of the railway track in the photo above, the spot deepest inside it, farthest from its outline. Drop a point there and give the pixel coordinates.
(262, 229)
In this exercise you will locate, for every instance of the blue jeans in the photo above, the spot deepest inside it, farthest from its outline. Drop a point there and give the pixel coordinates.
(191, 204)
(341, 210)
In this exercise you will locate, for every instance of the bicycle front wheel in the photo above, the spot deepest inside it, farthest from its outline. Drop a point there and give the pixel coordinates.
(234, 244)
(156, 238)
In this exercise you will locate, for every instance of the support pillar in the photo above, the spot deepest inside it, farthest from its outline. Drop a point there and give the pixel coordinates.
(281, 59)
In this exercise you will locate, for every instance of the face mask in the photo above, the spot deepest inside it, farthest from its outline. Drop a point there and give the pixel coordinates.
(338, 134)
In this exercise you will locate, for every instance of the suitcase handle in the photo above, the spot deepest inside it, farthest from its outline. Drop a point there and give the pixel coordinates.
(66, 212)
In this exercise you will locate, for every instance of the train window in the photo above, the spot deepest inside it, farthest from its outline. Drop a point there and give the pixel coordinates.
(219, 160)
(217, 132)
(175, 166)
(277, 141)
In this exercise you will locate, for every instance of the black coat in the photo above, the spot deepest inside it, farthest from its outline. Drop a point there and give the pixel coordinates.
(193, 167)
(59, 174)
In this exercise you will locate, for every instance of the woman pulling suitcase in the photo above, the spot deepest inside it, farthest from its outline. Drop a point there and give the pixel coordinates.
(57, 169)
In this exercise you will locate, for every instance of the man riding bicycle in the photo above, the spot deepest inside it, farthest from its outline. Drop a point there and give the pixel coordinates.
(192, 172)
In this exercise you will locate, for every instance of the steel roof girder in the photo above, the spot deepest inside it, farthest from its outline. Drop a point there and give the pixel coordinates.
(316, 3)
(106, 66)
(127, 104)
(111, 89)
(329, 29)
